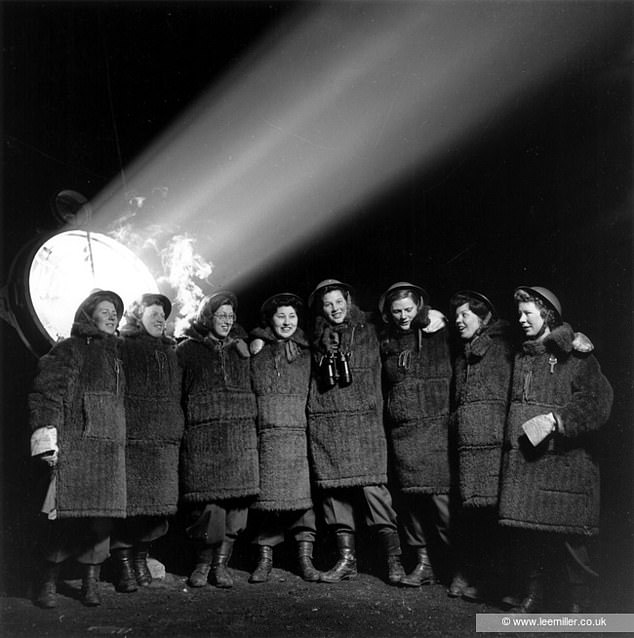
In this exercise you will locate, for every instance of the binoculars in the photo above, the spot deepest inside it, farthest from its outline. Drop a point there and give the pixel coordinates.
(335, 369)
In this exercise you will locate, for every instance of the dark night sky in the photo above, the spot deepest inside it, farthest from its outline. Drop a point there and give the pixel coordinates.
(542, 196)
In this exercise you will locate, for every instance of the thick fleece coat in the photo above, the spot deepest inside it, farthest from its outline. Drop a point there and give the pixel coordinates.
(79, 389)
(417, 377)
(345, 424)
(219, 455)
(555, 486)
(280, 374)
(482, 374)
(155, 422)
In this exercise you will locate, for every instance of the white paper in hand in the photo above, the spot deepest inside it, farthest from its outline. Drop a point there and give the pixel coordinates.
(538, 428)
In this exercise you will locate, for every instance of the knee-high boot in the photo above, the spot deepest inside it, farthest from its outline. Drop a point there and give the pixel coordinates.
(346, 567)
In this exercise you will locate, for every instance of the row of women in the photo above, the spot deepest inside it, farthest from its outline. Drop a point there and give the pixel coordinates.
(494, 449)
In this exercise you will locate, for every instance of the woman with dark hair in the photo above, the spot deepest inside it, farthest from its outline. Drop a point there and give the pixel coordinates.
(346, 437)
(155, 422)
(482, 379)
(417, 378)
(78, 423)
(219, 456)
(280, 373)
(550, 476)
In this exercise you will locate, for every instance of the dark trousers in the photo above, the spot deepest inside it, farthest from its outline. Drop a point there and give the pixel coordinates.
(214, 523)
(426, 517)
(339, 507)
(87, 540)
(301, 525)
(129, 532)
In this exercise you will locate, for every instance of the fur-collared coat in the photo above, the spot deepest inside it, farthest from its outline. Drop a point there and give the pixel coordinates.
(79, 389)
(554, 487)
(482, 374)
(155, 422)
(280, 374)
(417, 378)
(345, 424)
(219, 454)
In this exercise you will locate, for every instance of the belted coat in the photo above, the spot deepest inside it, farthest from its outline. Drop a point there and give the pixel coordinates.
(417, 378)
(79, 390)
(554, 487)
(219, 453)
(345, 424)
(280, 375)
(155, 422)
(482, 374)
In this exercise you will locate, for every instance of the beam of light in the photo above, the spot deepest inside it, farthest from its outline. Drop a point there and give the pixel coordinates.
(342, 102)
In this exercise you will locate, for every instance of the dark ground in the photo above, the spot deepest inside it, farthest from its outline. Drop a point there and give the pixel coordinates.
(285, 606)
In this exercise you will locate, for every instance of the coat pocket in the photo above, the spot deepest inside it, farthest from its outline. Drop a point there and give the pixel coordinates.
(104, 416)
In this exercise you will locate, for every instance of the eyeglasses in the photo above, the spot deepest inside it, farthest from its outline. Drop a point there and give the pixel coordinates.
(224, 316)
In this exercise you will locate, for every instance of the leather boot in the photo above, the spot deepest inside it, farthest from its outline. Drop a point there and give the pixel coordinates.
(346, 567)
(305, 560)
(534, 599)
(90, 586)
(47, 587)
(198, 578)
(392, 545)
(422, 574)
(141, 569)
(264, 566)
(125, 579)
(220, 574)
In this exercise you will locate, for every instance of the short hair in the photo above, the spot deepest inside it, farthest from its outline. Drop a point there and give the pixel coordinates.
(477, 306)
(403, 293)
(547, 313)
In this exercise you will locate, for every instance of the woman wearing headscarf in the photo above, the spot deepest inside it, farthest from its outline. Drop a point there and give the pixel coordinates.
(280, 372)
(417, 377)
(550, 476)
(482, 380)
(78, 422)
(155, 422)
(219, 456)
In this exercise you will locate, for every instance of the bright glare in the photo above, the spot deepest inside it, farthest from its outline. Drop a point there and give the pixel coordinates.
(70, 265)
(342, 102)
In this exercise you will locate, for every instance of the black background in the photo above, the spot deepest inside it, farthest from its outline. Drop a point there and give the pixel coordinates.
(543, 197)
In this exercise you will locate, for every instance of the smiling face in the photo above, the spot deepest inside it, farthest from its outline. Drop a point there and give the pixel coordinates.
(403, 312)
(334, 306)
(105, 317)
(467, 322)
(531, 320)
(222, 320)
(153, 320)
(284, 322)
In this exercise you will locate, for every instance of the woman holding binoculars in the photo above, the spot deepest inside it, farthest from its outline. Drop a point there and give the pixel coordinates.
(417, 376)
(347, 442)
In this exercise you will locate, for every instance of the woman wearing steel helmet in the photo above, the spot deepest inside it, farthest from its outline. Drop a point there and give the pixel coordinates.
(549, 491)
(219, 456)
(77, 413)
(417, 377)
(155, 424)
